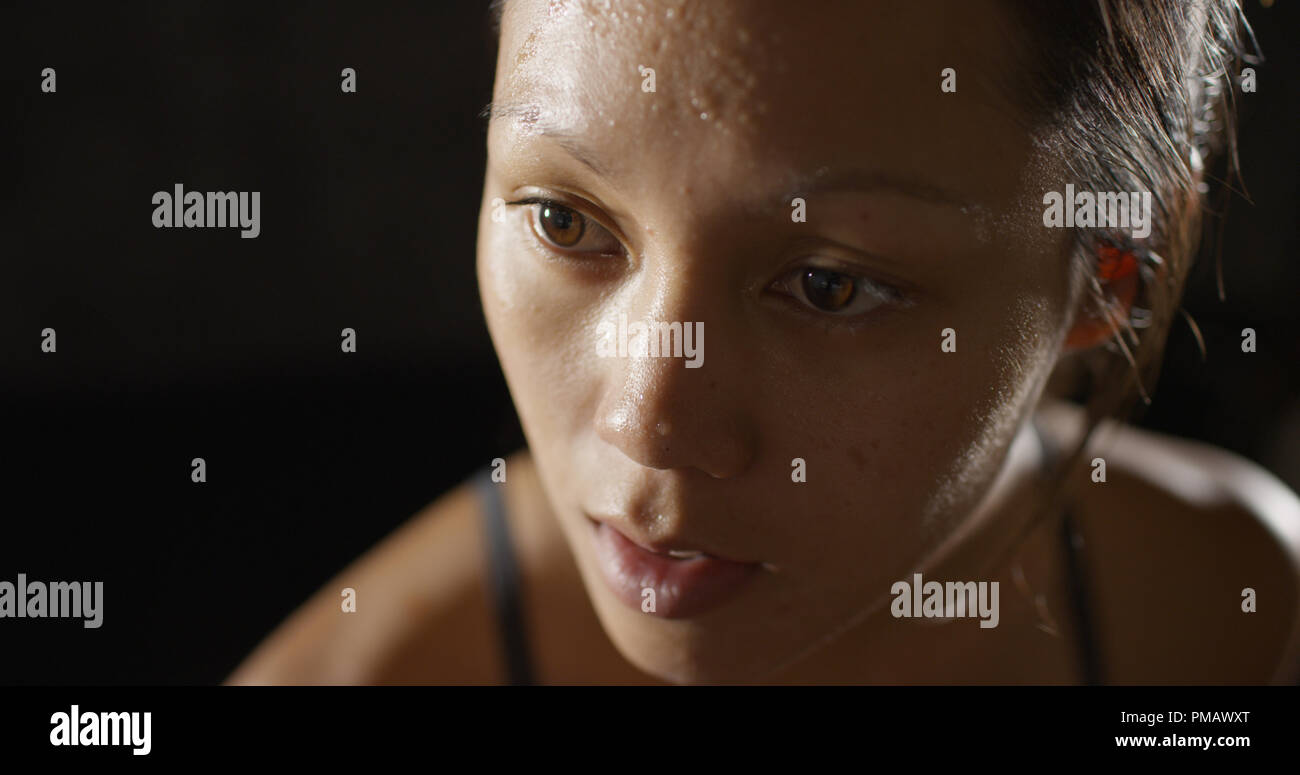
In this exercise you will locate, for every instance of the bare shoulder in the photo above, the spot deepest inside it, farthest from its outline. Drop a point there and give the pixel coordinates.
(1193, 555)
(422, 611)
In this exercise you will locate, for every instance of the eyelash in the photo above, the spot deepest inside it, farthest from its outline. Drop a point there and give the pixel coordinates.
(540, 202)
(863, 287)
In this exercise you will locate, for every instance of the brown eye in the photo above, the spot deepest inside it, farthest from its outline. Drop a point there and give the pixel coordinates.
(826, 290)
(565, 230)
(560, 225)
(838, 293)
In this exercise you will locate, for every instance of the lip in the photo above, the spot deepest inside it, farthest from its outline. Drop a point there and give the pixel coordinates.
(682, 587)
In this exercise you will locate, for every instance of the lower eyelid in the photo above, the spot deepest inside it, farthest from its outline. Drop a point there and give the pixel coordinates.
(879, 289)
(552, 252)
(532, 207)
(889, 299)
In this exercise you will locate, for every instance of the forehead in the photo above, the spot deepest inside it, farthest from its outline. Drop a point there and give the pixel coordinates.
(748, 86)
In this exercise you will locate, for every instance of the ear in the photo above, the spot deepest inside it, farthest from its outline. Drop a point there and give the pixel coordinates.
(1117, 273)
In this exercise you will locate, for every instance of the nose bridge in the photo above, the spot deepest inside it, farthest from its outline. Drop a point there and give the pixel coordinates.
(669, 299)
(664, 403)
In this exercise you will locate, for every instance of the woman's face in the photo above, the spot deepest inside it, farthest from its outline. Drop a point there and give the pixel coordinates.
(822, 335)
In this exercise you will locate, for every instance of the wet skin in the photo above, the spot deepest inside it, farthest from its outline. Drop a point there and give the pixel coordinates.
(926, 204)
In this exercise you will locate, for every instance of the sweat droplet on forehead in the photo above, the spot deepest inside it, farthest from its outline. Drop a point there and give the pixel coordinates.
(709, 53)
(737, 88)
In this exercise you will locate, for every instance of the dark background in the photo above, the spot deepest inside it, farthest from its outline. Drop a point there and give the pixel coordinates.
(182, 343)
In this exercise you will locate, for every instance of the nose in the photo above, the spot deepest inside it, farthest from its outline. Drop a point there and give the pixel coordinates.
(657, 410)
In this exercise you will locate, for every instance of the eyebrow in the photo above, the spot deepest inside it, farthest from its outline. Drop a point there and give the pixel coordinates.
(842, 181)
(530, 115)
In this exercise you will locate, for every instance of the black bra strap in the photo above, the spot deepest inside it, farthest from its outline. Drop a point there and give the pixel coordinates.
(1072, 540)
(503, 575)
(1088, 651)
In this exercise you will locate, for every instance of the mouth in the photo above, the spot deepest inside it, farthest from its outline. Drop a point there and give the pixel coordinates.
(666, 580)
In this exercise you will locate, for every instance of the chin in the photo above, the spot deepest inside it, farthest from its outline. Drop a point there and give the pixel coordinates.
(679, 664)
(681, 651)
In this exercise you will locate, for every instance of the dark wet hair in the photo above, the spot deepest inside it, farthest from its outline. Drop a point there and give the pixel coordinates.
(1140, 96)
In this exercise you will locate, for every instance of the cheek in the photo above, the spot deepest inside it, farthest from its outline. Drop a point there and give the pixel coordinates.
(875, 458)
(895, 464)
(538, 324)
(502, 286)
(981, 394)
